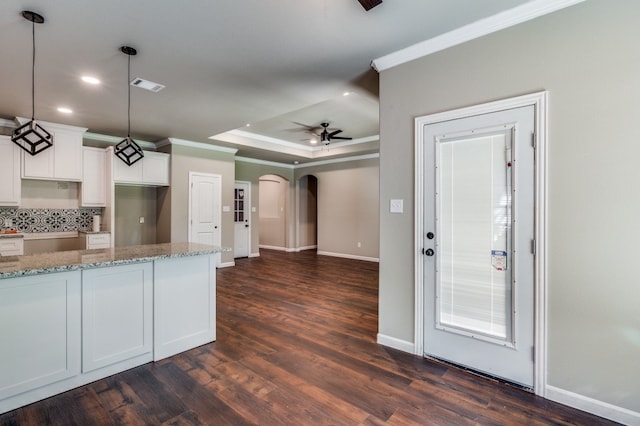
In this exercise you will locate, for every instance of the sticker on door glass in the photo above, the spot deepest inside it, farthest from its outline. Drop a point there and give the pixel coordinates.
(499, 259)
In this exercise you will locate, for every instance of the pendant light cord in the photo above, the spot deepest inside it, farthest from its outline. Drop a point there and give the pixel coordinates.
(33, 72)
(128, 96)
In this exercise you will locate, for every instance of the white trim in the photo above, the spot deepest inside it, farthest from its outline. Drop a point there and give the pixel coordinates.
(49, 235)
(480, 28)
(392, 342)
(310, 164)
(313, 247)
(293, 145)
(593, 406)
(338, 160)
(262, 246)
(58, 126)
(226, 264)
(114, 140)
(192, 144)
(539, 100)
(7, 123)
(264, 162)
(349, 256)
(254, 254)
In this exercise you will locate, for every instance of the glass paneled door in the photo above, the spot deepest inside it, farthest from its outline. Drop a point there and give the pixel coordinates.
(479, 223)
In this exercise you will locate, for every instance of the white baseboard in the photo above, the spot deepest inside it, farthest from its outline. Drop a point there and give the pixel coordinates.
(290, 250)
(349, 256)
(307, 248)
(392, 342)
(273, 248)
(226, 264)
(254, 254)
(593, 406)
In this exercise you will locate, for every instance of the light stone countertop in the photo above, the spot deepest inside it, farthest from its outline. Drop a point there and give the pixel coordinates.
(62, 261)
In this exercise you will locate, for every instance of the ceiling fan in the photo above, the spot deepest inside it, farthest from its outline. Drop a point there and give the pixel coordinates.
(326, 136)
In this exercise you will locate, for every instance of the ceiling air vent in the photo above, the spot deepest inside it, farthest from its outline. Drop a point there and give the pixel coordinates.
(147, 85)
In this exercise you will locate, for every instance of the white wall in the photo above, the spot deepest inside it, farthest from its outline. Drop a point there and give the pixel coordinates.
(587, 58)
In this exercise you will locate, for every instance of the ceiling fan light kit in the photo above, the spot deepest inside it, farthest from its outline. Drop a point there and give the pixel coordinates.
(127, 149)
(31, 136)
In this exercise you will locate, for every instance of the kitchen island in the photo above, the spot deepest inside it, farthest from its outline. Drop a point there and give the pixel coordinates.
(73, 317)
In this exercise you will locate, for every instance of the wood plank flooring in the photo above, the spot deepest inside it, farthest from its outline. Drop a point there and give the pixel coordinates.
(296, 346)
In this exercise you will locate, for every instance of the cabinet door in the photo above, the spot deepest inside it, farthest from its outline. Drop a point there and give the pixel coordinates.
(94, 188)
(9, 172)
(155, 168)
(117, 315)
(122, 173)
(63, 161)
(185, 304)
(40, 331)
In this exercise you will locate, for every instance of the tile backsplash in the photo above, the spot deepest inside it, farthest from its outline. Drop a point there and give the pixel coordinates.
(49, 220)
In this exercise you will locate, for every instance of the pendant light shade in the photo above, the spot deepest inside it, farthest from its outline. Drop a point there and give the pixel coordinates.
(127, 149)
(31, 136)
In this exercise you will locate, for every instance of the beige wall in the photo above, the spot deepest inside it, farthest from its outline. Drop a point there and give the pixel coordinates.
(587, 57)
(272, 211)
(251, 172)
(347, 207)
(173, 206)
(132, 203)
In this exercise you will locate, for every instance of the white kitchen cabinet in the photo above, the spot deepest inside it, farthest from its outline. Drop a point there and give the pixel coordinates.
(63, 161)
(152, 170)
(94, 177)
(40, 333)
(117, 315)
(185, 304)
(11, 246)
(100, 240)
(10, 183)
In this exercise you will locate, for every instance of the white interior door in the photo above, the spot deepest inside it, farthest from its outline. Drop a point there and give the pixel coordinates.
(242, 216)
(479, 228)
(205, 199)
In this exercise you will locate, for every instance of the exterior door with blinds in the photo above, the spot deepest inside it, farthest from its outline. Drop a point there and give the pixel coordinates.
(479, 227)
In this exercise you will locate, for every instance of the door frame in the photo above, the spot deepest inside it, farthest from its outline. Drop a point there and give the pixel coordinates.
(539, 100)
(247, 211)
(192, 174)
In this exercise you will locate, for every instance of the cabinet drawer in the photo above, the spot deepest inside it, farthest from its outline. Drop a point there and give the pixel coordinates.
(98, 241)
(11, 247)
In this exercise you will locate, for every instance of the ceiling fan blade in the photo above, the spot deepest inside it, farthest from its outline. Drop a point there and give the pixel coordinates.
(335, 132)
(369, 4)
(340, 137)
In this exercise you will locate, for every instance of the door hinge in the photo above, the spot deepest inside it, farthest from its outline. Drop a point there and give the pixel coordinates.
(533, 353)
(533, 247)
(533, 140)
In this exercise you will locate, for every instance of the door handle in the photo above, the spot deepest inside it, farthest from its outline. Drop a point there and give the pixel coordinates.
(429, 252)
(215, 227)
(246, 226)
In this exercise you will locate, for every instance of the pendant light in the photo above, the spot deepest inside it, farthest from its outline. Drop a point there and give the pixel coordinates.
(32, 137)
(127, 149)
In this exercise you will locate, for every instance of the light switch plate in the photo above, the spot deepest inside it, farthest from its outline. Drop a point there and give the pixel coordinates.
(226, 208)
(396, 206)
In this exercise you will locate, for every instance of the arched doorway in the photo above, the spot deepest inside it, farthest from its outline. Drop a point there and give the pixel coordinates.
(307, 213)
(273, 207)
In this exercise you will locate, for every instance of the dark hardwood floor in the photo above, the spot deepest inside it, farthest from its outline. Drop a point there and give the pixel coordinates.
(296, 346)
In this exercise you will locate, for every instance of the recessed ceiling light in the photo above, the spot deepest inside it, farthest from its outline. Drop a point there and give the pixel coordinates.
(65, 110)
(346, 93)
(296, 162)
(248, 125)
(313, 141)
(90, 80)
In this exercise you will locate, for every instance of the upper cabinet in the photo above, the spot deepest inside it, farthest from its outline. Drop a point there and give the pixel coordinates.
(94, 177)
(152, 170)
(63, 161)
(9, 172)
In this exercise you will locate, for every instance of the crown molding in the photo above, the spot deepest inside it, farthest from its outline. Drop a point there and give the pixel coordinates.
(491, 24)
(192, 144)
(265, 163)
(114, 140)
(311, 164)
(293, 145)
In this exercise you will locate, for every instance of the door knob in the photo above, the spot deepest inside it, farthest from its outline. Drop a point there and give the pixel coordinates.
(429, 252)
(430, 235)
(215, 227)
(246, 226)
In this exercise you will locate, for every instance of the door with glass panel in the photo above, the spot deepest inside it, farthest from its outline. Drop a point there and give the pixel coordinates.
(479, 229)
(242, 246)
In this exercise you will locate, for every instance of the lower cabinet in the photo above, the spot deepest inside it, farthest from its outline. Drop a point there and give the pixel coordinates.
(185, 304)
(117, 315)
(39, 336)
(62, 330)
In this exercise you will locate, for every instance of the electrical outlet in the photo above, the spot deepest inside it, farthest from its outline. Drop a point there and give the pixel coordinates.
(396, 206)
(141, 219)
(359, 244)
